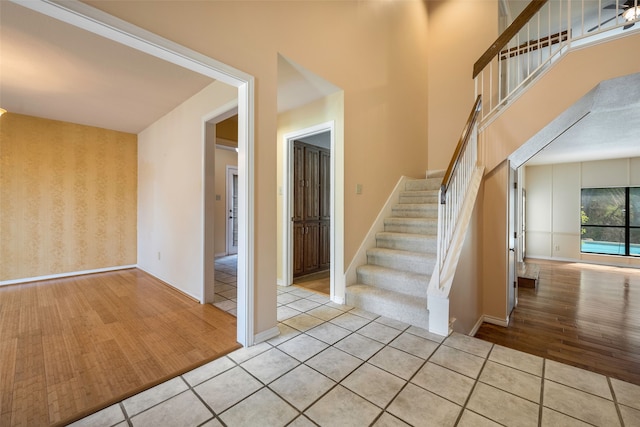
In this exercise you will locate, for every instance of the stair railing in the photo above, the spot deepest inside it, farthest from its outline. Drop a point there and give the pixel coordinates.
(543, 33)
(456, 181)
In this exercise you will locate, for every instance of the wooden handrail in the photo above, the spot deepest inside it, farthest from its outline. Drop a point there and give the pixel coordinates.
(513, 29)
(462, 144)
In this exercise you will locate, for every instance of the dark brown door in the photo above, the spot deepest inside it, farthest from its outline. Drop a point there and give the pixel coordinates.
(311, 208)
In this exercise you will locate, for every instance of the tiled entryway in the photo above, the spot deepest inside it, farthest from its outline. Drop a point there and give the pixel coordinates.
(334, 365)
(226, 284)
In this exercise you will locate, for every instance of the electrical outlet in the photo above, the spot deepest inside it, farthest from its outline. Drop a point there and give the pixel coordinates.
(158, 255)
(358, 188)
(557, 248)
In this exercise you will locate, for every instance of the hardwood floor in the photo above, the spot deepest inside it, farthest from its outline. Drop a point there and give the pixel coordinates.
(71, 346)
(583, 315)
(318, 282)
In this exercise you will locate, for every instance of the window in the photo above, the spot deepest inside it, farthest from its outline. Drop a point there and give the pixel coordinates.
(610, 220)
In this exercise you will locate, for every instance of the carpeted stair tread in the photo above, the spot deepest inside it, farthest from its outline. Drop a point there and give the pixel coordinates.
(427, 226)
(415, 210)
(414, 262)
(423, 184)
(413, 242)
(395, 305)
(393, 280)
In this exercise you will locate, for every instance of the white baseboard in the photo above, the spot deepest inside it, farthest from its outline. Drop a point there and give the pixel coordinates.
(62, 275)
(475, 328)
(338, 300)
(495, 320)
(182, 291)
(266, 335)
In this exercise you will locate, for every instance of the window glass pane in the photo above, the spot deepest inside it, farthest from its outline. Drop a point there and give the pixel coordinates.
(603, 206)
(603, 240)
(634, 241)
(634, 206)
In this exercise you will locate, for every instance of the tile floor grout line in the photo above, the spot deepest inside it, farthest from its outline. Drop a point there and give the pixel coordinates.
(475, 384)
(126, 415)
(615, 401)
(541, 405)
(206, 405)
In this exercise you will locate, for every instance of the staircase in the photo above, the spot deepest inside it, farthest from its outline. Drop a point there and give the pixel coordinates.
(394, 281)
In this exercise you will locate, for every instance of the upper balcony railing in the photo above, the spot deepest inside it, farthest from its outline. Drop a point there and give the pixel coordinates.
(539, 36)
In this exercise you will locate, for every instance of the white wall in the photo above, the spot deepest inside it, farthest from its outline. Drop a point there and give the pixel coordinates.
(170, 191)
(553, 206)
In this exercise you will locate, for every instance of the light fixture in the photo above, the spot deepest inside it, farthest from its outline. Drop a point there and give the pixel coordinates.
(631, 14)
(2, 111)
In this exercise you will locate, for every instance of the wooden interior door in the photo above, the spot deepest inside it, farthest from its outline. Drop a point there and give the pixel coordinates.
(311, 209)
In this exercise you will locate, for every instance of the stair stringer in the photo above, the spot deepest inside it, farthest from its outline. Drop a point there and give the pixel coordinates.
(442, 279)
(360, 258)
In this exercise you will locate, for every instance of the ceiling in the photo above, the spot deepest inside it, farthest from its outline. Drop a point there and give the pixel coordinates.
(53, 70)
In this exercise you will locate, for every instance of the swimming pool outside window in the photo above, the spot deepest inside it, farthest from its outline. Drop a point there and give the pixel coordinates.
(610, 221)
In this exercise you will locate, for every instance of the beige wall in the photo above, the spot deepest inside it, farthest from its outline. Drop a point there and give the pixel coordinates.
(459, 32)
(494, 243)
(466, 304)
(568, 80)
(328, 109)
(67, 197)
(374, 50)
(553, 206)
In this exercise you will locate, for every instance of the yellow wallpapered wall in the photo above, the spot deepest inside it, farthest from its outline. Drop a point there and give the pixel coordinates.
(68, 197)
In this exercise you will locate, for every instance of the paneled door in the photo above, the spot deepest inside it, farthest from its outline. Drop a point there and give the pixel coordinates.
(311, 211)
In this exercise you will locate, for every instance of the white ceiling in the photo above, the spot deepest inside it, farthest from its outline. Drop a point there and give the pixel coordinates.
(54, 70)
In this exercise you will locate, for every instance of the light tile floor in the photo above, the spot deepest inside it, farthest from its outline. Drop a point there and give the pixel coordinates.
(334, 365)
(226, 285)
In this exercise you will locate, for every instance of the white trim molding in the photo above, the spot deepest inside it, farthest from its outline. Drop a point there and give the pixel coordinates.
(83, 16)
(337, 219)
(266, 335)
(495, 321)
(63, 275)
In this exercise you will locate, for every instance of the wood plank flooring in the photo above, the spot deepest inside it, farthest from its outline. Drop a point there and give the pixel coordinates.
(318, 282)
(583, 315)
(69, 347)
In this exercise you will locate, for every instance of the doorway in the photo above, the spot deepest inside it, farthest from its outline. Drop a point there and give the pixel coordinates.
(103, 24)
(232, 210)
(309, 208)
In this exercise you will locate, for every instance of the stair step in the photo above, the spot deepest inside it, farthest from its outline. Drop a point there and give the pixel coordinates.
(393, 280)
(415, 210)
(407, 242)
(426, 196)
(439, 173)
(413, 262)
(423, 184)
(428, 226)
(395, 305)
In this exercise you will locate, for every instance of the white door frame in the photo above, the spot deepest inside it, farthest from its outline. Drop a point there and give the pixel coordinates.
(231, 171)
(98, 22)
(512, 240)
(209, 139)
(337, 240)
